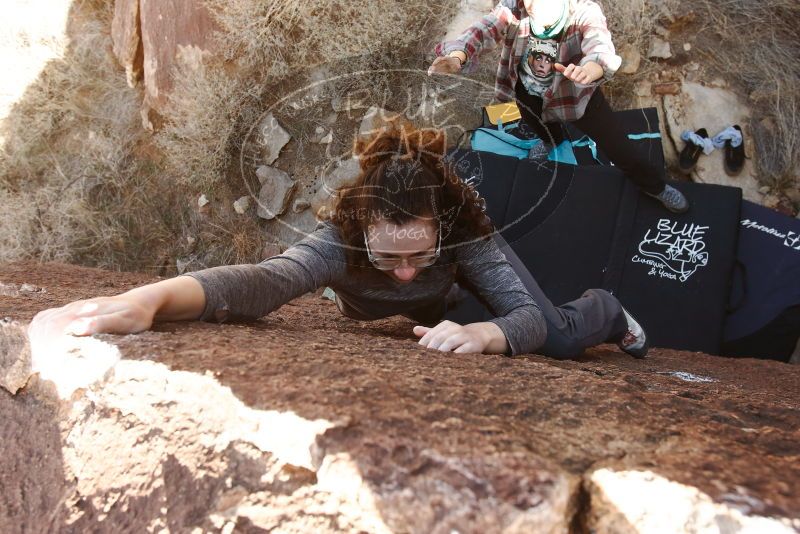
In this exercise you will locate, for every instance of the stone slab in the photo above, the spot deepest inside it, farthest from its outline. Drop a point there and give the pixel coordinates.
(397, 438)
(277, 188)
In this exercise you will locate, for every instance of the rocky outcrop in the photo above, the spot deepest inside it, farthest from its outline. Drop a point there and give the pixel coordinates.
(631, 59)
(151, 37)
(126, 37)
(339, 175)
(622, 502)
(308, 421)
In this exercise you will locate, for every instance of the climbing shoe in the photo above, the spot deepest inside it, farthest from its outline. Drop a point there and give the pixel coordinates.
(672, 199)
(634, 342)
(691, 152)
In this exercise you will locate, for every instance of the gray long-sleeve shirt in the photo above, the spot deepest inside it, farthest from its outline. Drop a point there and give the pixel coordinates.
(319, 260)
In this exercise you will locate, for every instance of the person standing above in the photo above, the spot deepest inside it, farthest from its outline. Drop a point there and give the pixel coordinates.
(575, 30)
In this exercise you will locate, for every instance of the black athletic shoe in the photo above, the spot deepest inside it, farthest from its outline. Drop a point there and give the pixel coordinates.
(691, 153)
(734, 156)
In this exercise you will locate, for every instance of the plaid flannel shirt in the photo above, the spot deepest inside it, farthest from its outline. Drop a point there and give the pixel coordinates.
(585, 38)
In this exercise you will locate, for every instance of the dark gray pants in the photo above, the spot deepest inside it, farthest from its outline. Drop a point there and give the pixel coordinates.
(596, 317)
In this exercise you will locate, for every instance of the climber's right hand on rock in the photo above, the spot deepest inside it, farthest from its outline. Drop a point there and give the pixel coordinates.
(445, 65)
(121, 314)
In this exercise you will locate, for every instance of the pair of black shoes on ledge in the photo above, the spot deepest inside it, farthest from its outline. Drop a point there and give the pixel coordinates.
(699, 142)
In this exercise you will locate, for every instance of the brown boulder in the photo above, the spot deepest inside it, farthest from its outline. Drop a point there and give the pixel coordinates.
(126, 36)
(168, 28)
(151, 37)
(631, 59)
(308, 421)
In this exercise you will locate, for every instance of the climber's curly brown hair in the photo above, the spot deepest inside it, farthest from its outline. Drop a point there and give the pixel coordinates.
(405, 174)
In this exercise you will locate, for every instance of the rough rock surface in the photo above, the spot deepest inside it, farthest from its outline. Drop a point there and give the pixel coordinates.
(714, 109)
(291, 227)
(15, 358)
(276, 191)
(308, 421)
(273, 137)
(631, 59)
(126, 37)
(241, 204)
(151, 37)
(168, 28)
(659, 49)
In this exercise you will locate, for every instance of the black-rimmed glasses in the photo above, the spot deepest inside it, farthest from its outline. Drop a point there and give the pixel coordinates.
(418, 261)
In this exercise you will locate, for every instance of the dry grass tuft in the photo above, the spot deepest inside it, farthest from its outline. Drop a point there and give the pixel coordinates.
(269, 49)
(200, 121)
(755, 46)
(633, 22)
(70, 176)
(752, 45)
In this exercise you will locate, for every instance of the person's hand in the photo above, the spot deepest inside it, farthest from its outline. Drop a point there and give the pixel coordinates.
(70, 363)
(583, 75)
(445, 65)
(448, 336)
(121, 314)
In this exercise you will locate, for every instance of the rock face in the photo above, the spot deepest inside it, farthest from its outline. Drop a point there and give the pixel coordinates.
(126, 36)
(15, 358)
(241, 204)
(306, 421)
(150, 37)
(622, 502)
(276, 192)
(713, 108)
